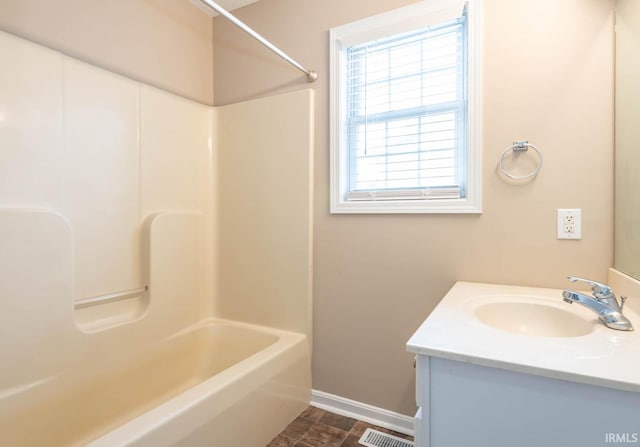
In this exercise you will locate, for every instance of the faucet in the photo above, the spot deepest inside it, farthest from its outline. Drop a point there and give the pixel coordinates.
(603, 302)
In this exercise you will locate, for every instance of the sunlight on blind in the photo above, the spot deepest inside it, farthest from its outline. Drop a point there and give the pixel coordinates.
(406, 112)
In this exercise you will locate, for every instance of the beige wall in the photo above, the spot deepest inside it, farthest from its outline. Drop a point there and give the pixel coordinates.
(547, 78)
(165, 43)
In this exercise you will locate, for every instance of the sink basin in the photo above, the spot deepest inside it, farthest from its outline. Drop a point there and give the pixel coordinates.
(534, 319)
(530, 330)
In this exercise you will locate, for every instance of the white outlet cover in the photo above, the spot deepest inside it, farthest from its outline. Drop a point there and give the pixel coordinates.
(569, 218)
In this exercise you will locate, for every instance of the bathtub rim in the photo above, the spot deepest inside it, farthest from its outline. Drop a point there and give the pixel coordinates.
(289, 344)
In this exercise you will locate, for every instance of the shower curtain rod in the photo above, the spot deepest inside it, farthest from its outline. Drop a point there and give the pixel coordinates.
(311, 75)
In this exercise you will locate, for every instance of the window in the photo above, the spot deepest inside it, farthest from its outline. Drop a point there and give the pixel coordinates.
(405, 110)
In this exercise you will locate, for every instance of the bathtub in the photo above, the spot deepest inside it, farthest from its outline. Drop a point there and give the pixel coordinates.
(217, 383)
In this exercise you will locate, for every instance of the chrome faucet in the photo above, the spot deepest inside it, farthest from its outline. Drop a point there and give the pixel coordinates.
(603, 302)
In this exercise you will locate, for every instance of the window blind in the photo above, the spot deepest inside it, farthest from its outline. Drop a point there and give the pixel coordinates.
(406, 115)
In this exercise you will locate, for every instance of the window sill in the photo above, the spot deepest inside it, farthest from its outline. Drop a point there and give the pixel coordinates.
(458, 206)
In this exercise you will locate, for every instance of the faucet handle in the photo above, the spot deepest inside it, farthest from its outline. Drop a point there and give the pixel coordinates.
(623, 299)
(601, 291)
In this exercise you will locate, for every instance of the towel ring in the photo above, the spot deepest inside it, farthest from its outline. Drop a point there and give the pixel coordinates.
(520, 146)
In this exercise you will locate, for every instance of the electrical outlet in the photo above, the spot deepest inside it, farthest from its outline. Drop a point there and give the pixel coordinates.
(569, 223)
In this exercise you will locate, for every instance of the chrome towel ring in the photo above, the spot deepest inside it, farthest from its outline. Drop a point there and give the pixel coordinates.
(520, 146)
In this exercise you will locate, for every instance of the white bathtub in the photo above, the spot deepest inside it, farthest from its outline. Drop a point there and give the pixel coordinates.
(218, 383)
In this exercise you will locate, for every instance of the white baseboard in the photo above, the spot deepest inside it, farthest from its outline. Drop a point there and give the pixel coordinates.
(363, 412)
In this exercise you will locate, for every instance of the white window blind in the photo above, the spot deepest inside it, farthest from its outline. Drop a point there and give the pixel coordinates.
(406, 115)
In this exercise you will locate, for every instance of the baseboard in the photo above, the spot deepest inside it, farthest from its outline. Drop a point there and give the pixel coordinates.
(363, 412)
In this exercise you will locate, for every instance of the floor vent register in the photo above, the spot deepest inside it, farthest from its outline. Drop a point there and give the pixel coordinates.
(374, 438)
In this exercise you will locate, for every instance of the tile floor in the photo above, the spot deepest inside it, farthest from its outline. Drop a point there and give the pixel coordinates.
(319, 428)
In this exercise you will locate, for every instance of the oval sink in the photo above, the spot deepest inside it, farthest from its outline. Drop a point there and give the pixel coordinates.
(533, 319)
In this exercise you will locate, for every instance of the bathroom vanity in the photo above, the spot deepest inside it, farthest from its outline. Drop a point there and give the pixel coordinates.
(505, 366)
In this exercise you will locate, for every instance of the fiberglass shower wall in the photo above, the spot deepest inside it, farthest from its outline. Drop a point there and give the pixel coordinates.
(264, 184)
(103, 155)
(129, 180)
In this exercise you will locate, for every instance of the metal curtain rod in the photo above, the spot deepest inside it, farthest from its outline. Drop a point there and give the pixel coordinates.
(311, 75)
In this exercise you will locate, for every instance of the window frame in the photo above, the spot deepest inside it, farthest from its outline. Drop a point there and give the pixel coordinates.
(410, 17)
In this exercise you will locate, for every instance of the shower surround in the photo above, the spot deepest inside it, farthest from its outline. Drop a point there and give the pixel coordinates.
(109, 185)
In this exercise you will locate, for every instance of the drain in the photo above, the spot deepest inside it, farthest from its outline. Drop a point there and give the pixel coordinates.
(375, 438)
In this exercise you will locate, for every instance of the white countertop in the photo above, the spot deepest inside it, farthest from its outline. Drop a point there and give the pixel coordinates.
(604, 357)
